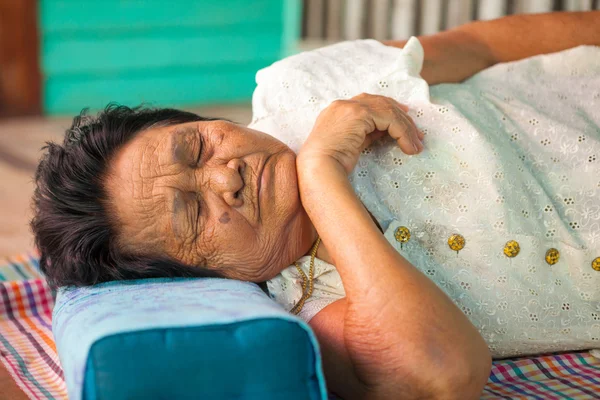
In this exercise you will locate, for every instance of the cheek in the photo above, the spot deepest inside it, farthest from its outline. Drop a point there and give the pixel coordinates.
(226, 239)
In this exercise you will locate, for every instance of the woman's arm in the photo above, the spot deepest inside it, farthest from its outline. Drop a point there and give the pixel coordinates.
(457, 54)
(396, 335)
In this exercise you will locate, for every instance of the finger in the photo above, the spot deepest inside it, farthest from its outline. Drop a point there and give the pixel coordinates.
(405, 108)
(374, 99)
(392, 120)
(402, 128)
(414, 131)
(389, 115)
(370, 138)
(409, 124)
(398, 128)
(420, 133)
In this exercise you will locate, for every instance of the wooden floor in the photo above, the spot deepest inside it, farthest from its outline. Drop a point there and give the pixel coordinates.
(20, 144)
(8, 388)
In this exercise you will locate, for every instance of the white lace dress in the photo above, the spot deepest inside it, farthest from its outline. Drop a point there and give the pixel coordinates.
(512, 154)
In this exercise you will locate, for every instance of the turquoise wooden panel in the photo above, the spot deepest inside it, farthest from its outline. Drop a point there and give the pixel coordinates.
(76, 55)
(177, 52)
(60, 16)
(292, 25)
(68, 95)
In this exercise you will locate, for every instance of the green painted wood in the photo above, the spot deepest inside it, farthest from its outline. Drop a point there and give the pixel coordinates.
(292, 27)
(164, 52)
(65, 16)
(77, 55)
(68, 95)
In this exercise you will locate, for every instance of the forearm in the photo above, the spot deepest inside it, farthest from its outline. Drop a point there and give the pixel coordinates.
(451, 56)
(395, 315)
(457, 54)
(525, 35)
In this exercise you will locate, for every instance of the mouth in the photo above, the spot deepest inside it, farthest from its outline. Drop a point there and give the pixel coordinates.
(259, 183)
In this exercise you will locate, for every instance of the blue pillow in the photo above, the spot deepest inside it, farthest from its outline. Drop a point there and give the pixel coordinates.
(183, 339)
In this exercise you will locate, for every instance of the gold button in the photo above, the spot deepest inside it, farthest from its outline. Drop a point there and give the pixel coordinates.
(456, 242)
(402, 235)
(511, 248)
(552, 256)
(596, 264)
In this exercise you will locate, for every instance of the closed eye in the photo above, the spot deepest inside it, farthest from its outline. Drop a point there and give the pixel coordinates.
(200, 148)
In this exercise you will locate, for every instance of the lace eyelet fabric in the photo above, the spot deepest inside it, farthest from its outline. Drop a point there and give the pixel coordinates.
(503, 204)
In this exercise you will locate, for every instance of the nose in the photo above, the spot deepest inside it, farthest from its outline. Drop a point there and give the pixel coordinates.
(227, 181)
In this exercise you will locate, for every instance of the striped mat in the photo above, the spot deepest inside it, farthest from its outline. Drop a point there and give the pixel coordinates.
(28, 352)
(27, 347)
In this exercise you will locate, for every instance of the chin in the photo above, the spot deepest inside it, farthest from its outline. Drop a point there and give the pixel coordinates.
(292, 237)
(270, 274)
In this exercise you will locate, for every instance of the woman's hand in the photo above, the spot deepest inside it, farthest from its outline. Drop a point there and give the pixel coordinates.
(346, 127)
(396, 334)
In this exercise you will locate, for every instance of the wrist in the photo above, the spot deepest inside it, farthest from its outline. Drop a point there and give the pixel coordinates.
(319, 178)
(454, 55)
(473, 36)
(316, 167)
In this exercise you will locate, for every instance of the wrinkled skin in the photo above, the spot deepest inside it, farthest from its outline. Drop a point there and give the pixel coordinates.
(207, 212)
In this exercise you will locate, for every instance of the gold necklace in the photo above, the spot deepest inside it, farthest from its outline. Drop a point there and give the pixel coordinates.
(306, 292)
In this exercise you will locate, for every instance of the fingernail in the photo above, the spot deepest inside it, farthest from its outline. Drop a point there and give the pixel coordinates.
(416, 148)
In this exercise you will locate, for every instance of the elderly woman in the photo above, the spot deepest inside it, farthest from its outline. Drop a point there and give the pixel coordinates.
(418, 229)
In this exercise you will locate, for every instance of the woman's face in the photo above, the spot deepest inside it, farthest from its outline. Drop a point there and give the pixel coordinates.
(213, 194)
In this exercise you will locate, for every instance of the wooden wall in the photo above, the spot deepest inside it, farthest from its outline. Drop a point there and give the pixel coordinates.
(333, 20)
(177, 52)
(19, 71)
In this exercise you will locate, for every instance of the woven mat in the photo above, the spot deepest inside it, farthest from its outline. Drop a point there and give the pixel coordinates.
(27, 347)
(28, 352)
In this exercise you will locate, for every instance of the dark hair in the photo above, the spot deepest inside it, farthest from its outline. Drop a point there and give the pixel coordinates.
(72, 226)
